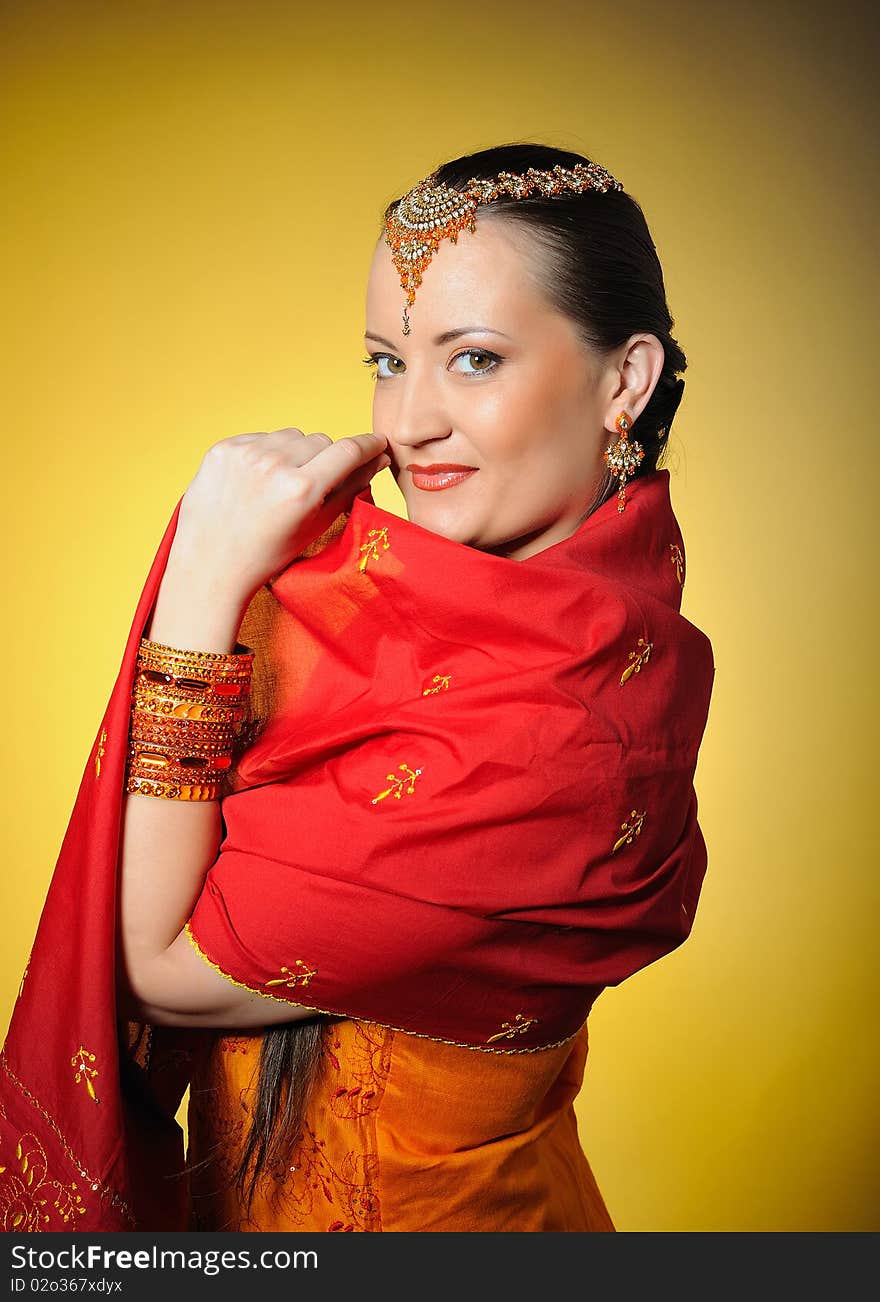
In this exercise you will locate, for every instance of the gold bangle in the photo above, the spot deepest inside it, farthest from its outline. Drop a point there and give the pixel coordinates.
(180, 732)
(171, 791)
(157, 683)
(215, 665)
(181, 746)
(176, 707)
(240, 652)
(159, 755)
(159, 768)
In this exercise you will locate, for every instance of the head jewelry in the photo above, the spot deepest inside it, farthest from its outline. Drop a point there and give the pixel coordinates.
(431, 212)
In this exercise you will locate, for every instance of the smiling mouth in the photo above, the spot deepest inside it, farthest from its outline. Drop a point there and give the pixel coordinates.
(433, 478)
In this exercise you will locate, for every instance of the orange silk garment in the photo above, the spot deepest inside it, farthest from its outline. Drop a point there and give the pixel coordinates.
(402, 1133)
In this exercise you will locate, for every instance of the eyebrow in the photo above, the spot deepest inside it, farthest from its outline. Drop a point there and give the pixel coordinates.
(447, 336)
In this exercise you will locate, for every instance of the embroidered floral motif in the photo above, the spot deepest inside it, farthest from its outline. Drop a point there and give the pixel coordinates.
(440, 684)
(399, 785)
(329, 1181)
(637, 658)
(103, 1191)
(25, 1194)
(677, 561)
(100, 753)
(315, 1187)
(84, 1072)
(233, 1044)
(368, 1067)
(630, 829)
(289, 978)
(518, 1026)
(357, 1069)
(376, 539)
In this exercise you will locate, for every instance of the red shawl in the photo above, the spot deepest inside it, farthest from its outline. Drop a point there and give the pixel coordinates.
(466, 806)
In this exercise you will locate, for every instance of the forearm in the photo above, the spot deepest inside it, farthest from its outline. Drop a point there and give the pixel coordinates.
(168, 845)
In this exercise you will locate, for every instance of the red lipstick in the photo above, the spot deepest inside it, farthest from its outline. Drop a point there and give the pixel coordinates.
(439, 475)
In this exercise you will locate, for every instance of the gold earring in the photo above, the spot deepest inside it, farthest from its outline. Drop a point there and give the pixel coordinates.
(623, 457)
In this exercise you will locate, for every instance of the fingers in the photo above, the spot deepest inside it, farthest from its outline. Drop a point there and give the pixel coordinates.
(330, 468)
(312, 444)
(278, 437)
(340, 498)
(344, 455)
(306, 468)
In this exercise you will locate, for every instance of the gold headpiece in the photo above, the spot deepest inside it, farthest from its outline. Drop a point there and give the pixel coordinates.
(431, 212)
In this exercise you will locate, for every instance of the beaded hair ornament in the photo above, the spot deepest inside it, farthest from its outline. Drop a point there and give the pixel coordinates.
(431, 212)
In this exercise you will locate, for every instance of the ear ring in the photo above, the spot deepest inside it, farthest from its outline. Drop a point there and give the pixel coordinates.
(623, 457)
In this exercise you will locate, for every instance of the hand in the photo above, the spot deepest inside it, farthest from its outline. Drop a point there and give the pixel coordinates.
(258, 499)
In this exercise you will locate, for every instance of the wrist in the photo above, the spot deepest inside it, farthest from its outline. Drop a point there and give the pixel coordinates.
(196, 607)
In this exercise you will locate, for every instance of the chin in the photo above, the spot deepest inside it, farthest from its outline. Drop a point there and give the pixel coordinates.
(447, 523)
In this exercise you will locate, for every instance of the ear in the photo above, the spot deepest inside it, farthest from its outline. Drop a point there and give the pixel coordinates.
(637, 369)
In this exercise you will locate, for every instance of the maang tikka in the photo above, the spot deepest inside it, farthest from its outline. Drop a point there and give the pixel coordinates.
(431, 212)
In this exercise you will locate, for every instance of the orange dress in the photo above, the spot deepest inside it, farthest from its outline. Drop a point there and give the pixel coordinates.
(402, 1133)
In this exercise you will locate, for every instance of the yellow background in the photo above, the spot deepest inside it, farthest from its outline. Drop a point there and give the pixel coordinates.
(195, 191)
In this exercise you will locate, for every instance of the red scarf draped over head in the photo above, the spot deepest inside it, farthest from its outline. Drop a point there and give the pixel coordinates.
(465, 807)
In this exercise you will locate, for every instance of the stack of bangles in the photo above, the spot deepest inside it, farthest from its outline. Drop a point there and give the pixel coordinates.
(187, 711)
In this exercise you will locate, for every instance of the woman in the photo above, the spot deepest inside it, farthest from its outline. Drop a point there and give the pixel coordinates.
(439, 790)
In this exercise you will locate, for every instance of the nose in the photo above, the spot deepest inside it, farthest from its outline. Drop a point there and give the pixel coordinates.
(415, 412)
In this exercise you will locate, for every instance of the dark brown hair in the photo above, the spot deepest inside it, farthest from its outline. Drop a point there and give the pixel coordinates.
(599, 266)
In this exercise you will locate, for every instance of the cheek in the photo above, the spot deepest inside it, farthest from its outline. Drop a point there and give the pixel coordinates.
(502, 418)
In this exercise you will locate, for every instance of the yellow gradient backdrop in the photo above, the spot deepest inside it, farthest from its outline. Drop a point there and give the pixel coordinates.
(194, 194)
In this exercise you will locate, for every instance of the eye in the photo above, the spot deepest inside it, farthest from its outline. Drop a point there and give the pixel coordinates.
(374, 361)
(479, 355)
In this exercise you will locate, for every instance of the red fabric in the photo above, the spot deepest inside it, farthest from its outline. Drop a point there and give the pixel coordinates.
(485, 906)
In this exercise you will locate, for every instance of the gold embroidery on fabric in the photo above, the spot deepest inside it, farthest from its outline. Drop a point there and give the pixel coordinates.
(376, 538)
(630, 829)
(677, 560)
(21, 1207)
(290, 978)
(103, 1191)
(399, 785)
(344, 1012)
(84, 1072)
(101, 752)
(508, 1030)
(637, 659)
(442, 684)
(254, 990)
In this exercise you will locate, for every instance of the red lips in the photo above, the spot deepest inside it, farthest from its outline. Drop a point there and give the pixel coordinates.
(439, 475)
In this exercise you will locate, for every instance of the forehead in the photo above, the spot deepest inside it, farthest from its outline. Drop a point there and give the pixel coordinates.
(487, 269)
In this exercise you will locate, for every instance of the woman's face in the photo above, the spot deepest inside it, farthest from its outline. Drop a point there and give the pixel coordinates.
(494, 379)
